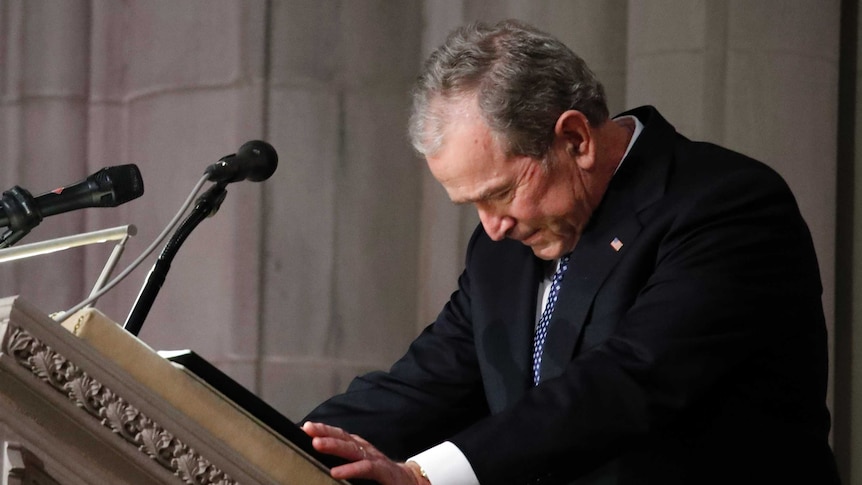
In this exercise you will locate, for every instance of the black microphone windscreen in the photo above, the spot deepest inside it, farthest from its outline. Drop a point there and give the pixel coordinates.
(255, 160)
(124, 181)
(263, 160)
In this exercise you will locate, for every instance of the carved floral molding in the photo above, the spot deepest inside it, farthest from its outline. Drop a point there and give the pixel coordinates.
(112, 410)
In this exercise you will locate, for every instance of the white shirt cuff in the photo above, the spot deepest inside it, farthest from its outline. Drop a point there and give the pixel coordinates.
(445, 464)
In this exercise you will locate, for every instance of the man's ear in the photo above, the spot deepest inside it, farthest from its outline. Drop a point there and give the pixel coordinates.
(575, 135)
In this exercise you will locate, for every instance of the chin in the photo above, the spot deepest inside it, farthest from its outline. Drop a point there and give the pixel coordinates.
(548, 253)
(553, 250)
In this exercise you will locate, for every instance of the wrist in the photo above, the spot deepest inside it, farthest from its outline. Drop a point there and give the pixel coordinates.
(418, 473)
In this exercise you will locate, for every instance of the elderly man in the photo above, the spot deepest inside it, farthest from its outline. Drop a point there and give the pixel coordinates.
(635, 307)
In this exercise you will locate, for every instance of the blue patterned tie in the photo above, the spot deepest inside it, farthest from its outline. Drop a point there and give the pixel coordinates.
(542, 327)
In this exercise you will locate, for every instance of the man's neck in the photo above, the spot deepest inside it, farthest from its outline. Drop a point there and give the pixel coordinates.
(615, 136)
(625, 133)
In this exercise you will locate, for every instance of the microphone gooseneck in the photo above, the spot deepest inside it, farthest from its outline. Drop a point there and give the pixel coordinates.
(205, 206)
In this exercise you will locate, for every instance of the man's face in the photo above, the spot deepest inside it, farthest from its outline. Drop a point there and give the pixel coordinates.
(541, 204)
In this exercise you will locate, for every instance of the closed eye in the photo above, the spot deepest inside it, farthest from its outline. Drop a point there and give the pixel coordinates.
(492, 195)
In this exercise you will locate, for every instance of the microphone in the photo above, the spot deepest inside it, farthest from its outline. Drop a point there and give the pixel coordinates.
(109, 187)
(255, 160)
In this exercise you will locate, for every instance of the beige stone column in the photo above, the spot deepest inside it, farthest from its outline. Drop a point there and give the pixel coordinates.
(174, 87)
(341, 233)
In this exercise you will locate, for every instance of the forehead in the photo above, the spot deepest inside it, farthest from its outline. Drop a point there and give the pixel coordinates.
(470, 162)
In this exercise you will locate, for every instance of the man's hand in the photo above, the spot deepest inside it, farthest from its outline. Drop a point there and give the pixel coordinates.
(365, 460)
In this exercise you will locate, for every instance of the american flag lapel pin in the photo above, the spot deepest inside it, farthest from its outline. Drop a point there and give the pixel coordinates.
(616, 244)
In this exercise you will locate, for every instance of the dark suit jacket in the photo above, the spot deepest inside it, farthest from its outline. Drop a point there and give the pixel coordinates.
(694, 354)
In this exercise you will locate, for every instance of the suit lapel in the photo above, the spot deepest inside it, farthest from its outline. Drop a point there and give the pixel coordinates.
(589, 265)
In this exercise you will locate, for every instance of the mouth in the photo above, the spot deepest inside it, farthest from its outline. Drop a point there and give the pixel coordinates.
(532, 238)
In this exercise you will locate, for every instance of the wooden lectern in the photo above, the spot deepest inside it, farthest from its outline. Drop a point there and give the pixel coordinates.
(87, 403)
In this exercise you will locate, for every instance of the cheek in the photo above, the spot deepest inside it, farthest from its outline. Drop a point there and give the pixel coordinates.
(548, 205)
(556, 208)
(526, 210)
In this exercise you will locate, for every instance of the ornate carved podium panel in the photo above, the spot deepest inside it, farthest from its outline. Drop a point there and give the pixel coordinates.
(106, 409)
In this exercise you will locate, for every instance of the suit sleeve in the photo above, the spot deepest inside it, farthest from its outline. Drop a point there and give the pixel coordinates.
(428, 395)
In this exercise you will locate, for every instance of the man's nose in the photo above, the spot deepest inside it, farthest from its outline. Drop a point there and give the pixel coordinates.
(496, 225)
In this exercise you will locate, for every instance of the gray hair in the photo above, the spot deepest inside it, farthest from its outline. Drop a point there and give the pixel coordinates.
(523, 80)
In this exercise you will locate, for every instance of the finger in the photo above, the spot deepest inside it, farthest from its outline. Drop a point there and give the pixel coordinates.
(362, 441)
(347, 449)
(369, 450)
(319, 429)
(351, 446)
(357, 469)
(384, 472)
